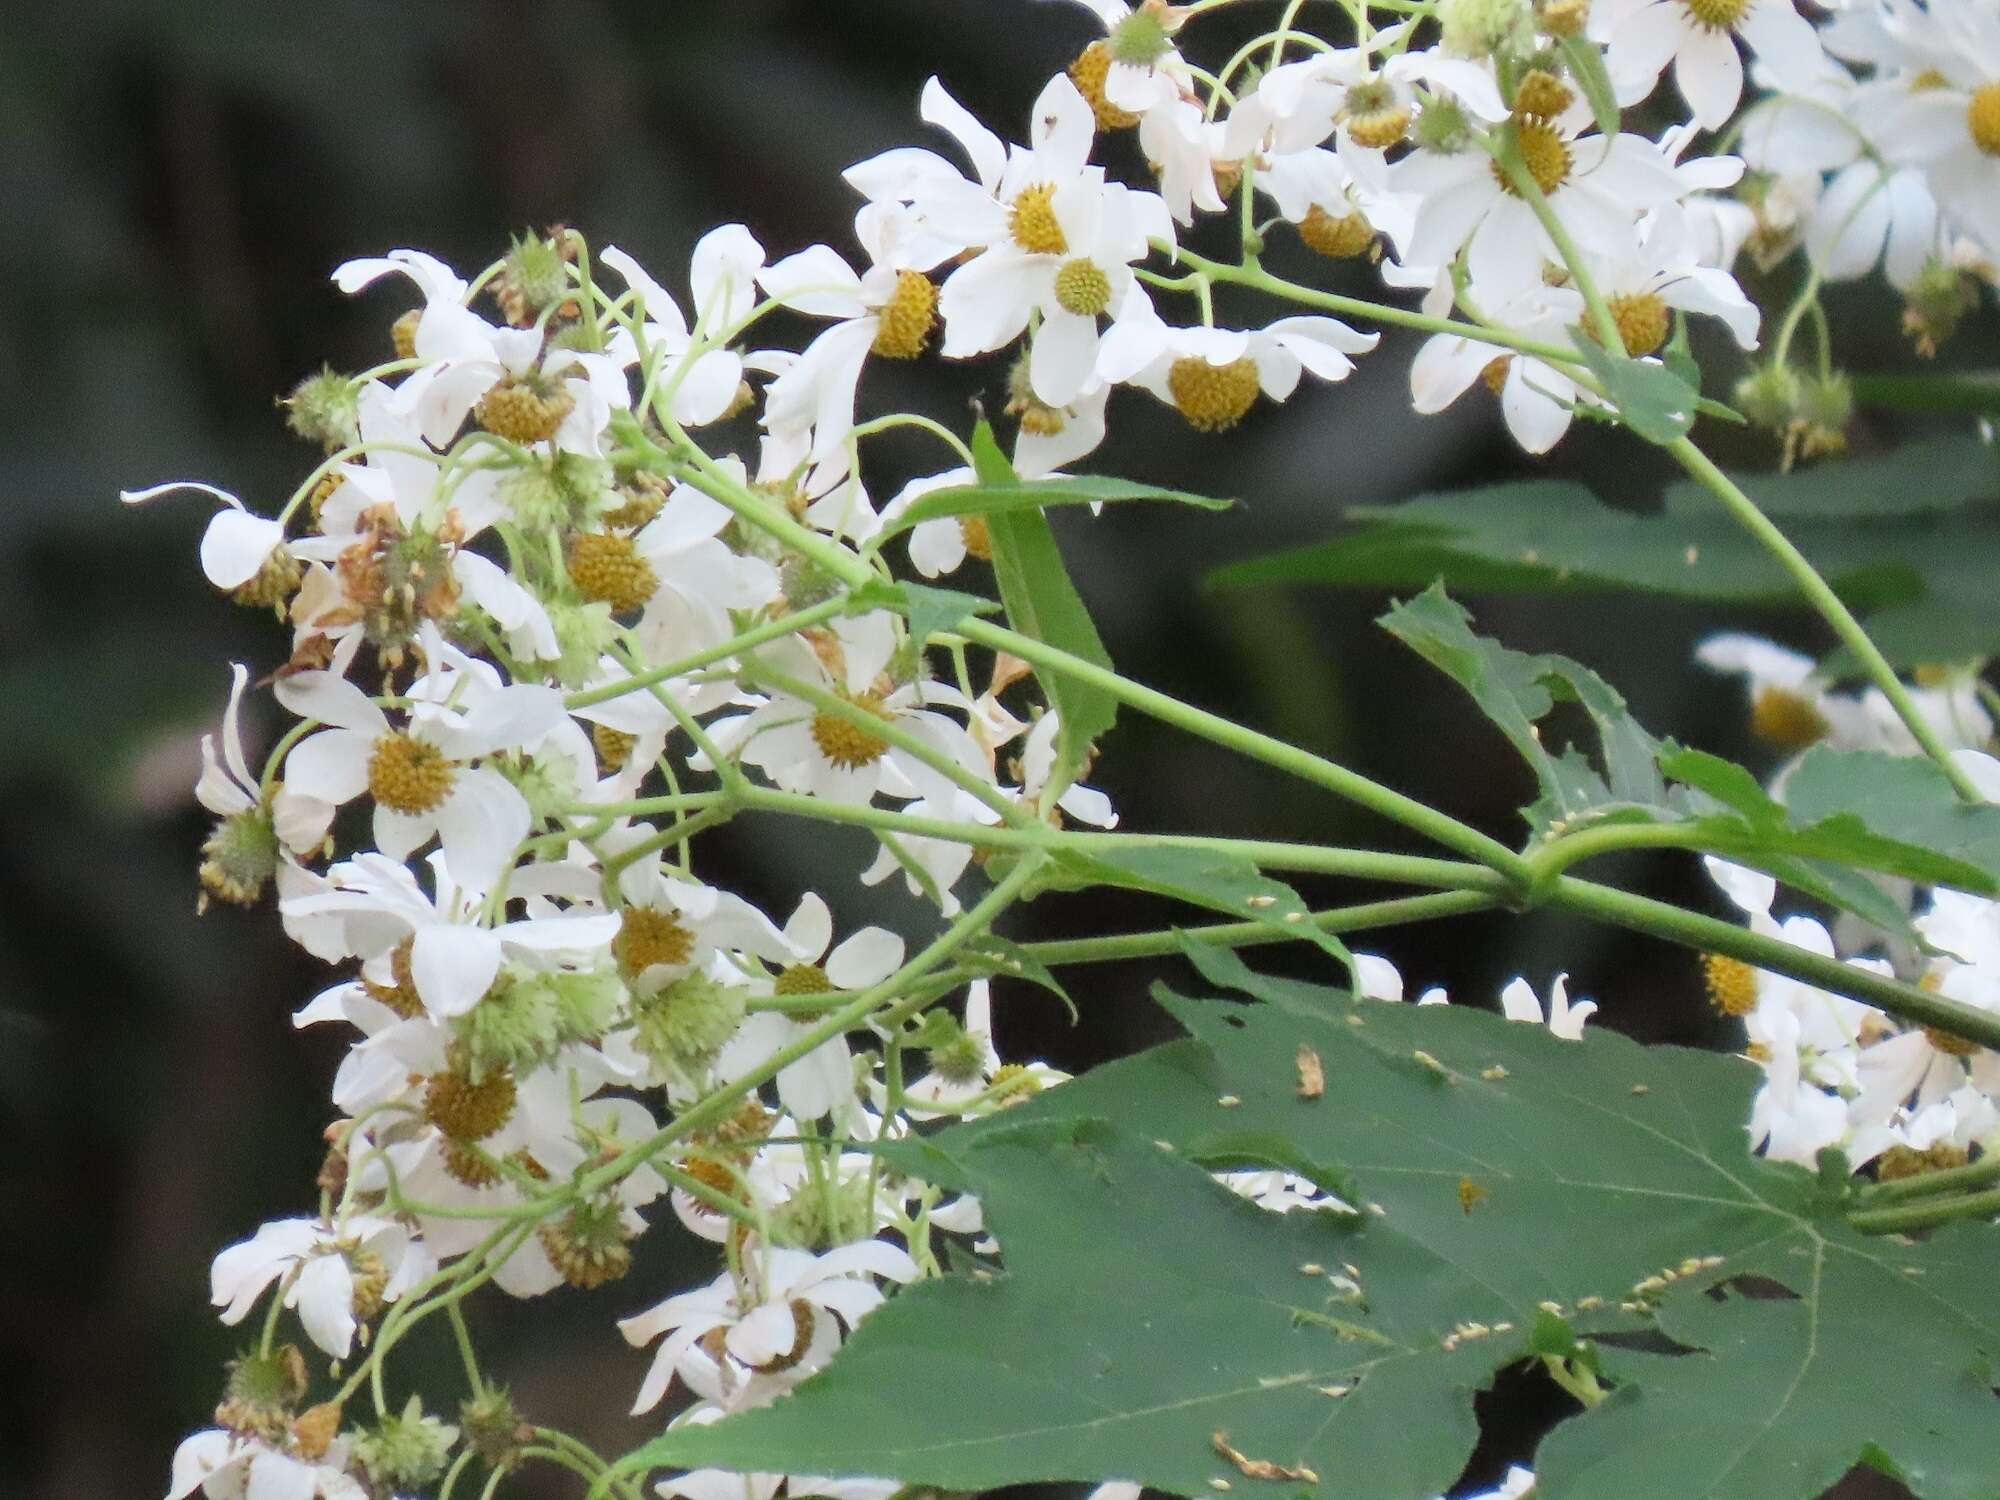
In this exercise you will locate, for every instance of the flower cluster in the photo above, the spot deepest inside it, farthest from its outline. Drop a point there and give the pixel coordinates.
(587, 570)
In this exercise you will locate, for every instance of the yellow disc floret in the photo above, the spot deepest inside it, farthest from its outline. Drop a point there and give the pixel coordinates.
(608, 569)
(649, 936)
(1213, 398)
(408, 775)
(845, 743)
(1341, 236)
(1982, 118)
(1544, 153)
(1033, 222)
(1716, 15)
(801, 979)
(525, 408)
(1543, 95)
(906, 319)
(1088, 73)
(1083, 288)
(978, 537)
(613, 746)
(1950, 1042)
(1642, 321)
(1784, 719)
(468, 1108)
(1732, 984)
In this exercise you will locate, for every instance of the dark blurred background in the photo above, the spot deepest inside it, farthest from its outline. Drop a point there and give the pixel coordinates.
(175, 185)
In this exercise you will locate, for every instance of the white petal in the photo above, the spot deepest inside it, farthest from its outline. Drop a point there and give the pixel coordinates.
(871, 954)
(324, 1294)
(331, 699)
(453, 966)
(481, 824)
(235, 546)
(982, 146)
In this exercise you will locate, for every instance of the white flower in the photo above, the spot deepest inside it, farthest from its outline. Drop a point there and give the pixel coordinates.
(1597, 188)
(1212, 375)
(699, 579)
(777, 1328)
(236, 544)
(418, 775)
(1536, 398)
(704, 378)
(318, 1261)
(1661, 269)
(1699, 40)
(807, 749)
(1519, 1002)
(228, 788)
(1952, 131)
(225, 1466)
(821, 1082)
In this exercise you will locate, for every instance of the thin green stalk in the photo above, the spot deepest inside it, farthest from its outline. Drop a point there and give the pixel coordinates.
(718, 1103)
(1338, 919)
(1976, 1174)
(465, 1354)
(1706, 934)
(757, 635)
(1927, 1213)
(1823, 599)
(1338, 779)
(1377, 312)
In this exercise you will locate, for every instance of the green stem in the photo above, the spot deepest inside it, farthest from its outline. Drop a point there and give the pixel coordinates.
(1927, 1213)
(464, 1337)
(1377, 312)
(756, 636)
(1338, 779)
(1359, 918)
(1706, 934)
(1927, 1184)
(1823, 599)
(719, 1102)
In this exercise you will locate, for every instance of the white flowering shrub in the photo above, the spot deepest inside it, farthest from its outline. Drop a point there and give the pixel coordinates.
(591, 569)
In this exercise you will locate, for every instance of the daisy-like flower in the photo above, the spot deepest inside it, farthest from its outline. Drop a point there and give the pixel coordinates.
(1212, 376)
(1659, 272)
(1790, 1119)
(808, 749)
(372, 908)
(1698, 39)
(241, 849)
(1598, 188)
(1536, 398)
(723, 280)
(784, 1322)
(1519, 1002)
(420, 777)
(334, 1275)
(696, 580)
(887, 312)
(1952, 130)
(226, 1466)
(237, 547)
(821, 1082)
(1134, 68)
(969, 1067)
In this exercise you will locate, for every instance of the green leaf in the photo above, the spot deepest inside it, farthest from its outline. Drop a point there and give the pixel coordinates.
(1036, 494)
(929, 610)
(1903, 798)
(1515, 690)
(1903, 538)
(1003, 959)
(1043, 603)
(1215, 879)
(1656, 403)
(1586, 66)
(1523, 1194)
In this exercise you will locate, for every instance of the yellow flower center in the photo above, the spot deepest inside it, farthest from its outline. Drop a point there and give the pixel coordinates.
(1088, 73)
(906, 319)
(401, 996)
(1082, 288)
(1544, 153)
(1342, 236)
(408, 775)
(1906, 1161)
(845, 743)
(609, 570)
(1378, 129)
(1982, 118)
(1950, 1042)
(1785, 720)
(525, 408)
(1033, 221)
(613, 746)
(1642, 321)
(649, 936)
(468, 1108)
(1716, 15)
(1732, 984)
(1543, 95)
(801, 979)
(1565, 17)
(978, 537)
(1213, 398)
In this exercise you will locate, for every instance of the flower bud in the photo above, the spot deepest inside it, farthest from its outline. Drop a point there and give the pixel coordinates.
(1486, 28)
(405, 1451)
(325, 409)
(1935, 302)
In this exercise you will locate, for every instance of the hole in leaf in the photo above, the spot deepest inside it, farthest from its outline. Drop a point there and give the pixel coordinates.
(1753, 1287)
(1237, 1021)
(1647, 1341)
